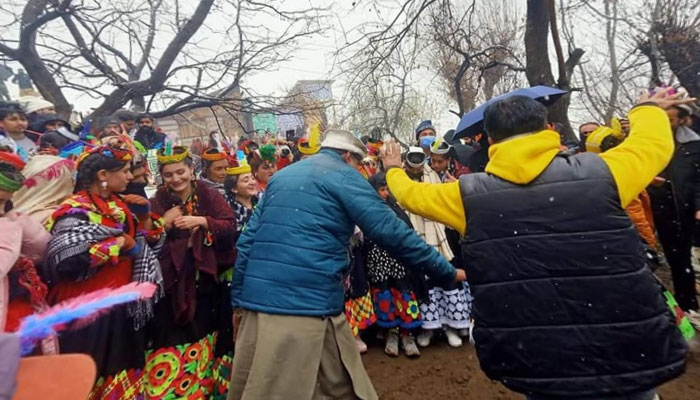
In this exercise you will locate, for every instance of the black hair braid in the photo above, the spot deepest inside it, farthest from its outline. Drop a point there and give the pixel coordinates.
(206, 164)
(89, 167)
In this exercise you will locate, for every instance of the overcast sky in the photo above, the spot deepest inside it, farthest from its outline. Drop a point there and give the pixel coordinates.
(314, 59)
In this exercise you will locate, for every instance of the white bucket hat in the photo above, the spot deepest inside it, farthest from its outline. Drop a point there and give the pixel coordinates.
(344, 140)
(33, 103)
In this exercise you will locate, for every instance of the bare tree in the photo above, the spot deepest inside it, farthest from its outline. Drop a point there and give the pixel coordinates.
(635, 56)
(610, 77)
(386, 98)
(541, 16)
(475, 49)
(165, 56)
(34, 16)
(677, 33)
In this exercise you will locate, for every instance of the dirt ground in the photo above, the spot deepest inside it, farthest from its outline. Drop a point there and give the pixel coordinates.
(445, 373)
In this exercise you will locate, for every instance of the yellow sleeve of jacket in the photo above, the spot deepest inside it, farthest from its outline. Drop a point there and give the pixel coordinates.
(643, 155)
(440, 202)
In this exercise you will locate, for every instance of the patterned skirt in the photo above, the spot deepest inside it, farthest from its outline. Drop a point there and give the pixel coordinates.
(192, 360)
(448, 307)
(118, 351)
(360, 313)
(396, 307)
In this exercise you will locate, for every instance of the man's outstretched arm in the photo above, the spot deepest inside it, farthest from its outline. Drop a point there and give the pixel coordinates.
(440, 202)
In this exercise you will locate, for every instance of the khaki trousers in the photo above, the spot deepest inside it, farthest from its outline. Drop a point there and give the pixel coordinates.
(301, 358)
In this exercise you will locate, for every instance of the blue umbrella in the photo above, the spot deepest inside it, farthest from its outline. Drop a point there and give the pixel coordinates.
(473, 121)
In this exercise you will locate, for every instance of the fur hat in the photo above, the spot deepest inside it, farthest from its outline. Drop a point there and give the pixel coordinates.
(344, 140)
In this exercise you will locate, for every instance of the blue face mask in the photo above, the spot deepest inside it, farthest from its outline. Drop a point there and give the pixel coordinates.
(427, 141)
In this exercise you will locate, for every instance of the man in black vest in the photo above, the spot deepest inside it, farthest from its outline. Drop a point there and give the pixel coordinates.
(565, 306)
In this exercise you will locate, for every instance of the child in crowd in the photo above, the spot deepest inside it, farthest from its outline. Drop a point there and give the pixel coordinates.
(359, 309)
(395, 288)
(13, 125)
(450, 307)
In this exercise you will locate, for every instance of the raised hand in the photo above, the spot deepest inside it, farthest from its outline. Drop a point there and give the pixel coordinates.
(663, 99)
(391, 154)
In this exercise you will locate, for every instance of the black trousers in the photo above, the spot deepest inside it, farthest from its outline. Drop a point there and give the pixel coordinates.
(677, 241)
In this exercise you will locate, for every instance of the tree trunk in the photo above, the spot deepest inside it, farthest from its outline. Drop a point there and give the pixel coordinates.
(610, 35)
(681, 49)
(538, 69)
(138, 103)
(112, 103)
(27, 55)
(44, 81)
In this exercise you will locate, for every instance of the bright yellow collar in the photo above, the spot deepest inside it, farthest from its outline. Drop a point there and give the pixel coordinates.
(522, 159)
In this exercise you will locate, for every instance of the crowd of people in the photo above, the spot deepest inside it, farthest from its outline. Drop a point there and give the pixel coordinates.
(297, 252)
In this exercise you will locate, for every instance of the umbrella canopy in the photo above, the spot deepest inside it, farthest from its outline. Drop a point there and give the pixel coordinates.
(472, 122)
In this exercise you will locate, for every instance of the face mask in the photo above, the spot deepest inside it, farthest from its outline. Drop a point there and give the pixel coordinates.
(476, 146)
(427, 141)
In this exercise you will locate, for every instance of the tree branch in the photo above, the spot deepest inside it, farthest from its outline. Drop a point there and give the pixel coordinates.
(160, 72)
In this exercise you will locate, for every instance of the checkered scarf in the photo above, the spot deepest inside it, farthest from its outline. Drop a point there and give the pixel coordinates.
(73, 235)
(242, 212)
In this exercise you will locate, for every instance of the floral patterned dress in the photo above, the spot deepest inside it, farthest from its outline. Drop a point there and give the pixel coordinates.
(393, 295)
(190, 350)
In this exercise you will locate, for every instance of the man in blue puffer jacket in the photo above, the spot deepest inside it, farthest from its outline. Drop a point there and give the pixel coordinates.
(293, 341)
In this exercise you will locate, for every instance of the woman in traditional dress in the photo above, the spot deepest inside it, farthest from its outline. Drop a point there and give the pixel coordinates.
(241, 189)
(99, 242)
(396, 290)
(263, 163)
(185, 357)
(448, 307)
(359, 310)
(23, 243)
(214, 163)
(49, 182)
